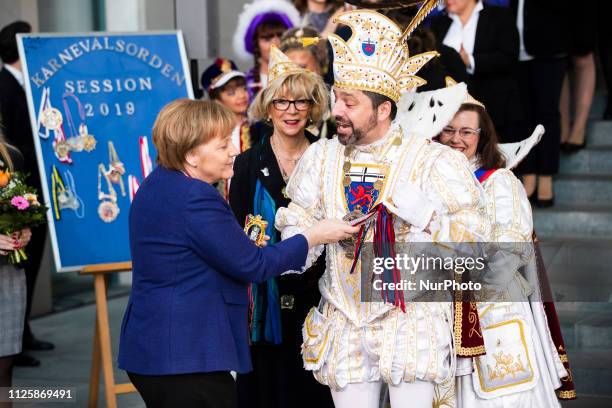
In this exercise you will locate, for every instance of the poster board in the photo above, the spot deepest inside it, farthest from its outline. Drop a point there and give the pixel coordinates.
(93, 99)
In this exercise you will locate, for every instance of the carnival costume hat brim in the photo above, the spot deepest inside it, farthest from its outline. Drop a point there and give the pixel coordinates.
(219, 73)
(281, 66)
(256, 13)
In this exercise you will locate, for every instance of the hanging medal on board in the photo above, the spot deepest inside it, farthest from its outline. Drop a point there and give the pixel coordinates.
(52, 120)
(108, 210)
(82, 140)
(116, 168)
(64, 194)
(49, 117)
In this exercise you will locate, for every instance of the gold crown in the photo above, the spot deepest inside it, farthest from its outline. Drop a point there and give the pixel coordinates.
(376, 57)
(469, 98)
(281, 65)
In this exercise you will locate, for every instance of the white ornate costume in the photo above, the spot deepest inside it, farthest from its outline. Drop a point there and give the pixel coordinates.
(521, 367)
(347, 341)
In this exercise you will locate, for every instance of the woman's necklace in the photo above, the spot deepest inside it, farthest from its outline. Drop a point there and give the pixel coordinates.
(292, 161)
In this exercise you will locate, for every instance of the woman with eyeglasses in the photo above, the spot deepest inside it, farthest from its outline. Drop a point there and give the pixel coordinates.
(293, 99)
(523, 364)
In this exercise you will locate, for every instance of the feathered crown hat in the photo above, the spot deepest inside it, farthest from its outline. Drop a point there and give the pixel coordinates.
(281, 65)
(376, 57)
(256, 13)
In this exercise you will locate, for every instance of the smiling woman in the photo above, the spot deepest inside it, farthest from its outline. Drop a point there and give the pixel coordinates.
(294, 98)
(185, 326)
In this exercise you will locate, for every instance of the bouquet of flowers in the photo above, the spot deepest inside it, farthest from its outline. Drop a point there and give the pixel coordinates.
(19, 208)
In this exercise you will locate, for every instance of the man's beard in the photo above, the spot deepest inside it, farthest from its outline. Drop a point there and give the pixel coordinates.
(356, 135)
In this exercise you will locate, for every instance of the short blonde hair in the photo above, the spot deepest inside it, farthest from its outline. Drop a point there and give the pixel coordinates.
(184, 124)
(301, 85)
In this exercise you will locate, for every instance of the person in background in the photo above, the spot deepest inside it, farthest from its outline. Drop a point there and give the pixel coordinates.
(18, 132)
(604, 45)
(472, 133)
(226, 85)
(319, 13)
(544, 28)
(261, 25)
(423, 39)
(303, 47)
(293, 98)
(13, 286)
(487, 40)
(582, 53)
(185, 326)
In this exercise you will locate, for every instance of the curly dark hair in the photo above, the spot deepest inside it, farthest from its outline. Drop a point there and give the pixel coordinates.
(487, 150)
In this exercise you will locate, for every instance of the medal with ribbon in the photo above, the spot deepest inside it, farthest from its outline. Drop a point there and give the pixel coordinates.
(52, 120)
(108, 210)
(116, 168)
(83, 140)
(64, 194)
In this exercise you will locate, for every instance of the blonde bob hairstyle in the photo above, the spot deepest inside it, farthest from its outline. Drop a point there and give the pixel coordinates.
(184, 124)
(300, 85)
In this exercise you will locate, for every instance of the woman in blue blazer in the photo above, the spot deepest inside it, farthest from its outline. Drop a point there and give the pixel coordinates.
(185, 327)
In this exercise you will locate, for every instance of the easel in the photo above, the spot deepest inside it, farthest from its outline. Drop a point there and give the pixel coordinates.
(102, 352)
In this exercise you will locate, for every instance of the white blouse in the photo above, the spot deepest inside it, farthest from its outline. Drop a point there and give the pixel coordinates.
(464, 34)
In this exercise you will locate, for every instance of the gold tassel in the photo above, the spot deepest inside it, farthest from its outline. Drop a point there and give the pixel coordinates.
(307, 41)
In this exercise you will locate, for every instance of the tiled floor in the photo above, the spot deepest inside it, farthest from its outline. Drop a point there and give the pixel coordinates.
(69, 364)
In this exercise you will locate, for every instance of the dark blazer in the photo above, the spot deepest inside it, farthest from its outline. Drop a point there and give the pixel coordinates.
(449, 63)
(496, 50)
(15, 120)
(248, 168)
(192, 263)
(547, 26)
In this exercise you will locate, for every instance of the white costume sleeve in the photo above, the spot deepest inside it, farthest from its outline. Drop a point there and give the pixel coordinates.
(459, 211)
(304, 189)
(512, 223)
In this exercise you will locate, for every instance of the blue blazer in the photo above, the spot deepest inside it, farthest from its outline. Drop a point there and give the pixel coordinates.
(192, 264)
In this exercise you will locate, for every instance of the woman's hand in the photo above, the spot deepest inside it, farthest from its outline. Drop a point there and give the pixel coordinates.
(6, 244)
(328, 232)
(22, 238)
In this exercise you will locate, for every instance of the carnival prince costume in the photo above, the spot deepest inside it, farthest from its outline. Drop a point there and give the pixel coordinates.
(420, 192)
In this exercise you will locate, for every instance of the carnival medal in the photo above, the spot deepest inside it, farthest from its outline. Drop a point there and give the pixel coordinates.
(108, 210)
(255, 228)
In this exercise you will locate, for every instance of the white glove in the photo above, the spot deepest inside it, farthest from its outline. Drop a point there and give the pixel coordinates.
(410, 204)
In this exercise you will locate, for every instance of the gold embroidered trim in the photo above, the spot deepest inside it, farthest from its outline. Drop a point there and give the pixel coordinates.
(524, 341)
(566, 394)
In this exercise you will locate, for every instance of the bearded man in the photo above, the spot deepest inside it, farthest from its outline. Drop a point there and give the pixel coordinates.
(421, 191)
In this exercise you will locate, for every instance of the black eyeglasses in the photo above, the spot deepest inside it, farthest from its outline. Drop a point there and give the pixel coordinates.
(283, 104)
(464, 132)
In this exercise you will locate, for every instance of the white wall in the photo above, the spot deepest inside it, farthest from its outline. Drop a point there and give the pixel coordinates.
(12, 10)
(66, 15)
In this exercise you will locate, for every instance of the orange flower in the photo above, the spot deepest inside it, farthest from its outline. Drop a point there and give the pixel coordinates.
(5, 177)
